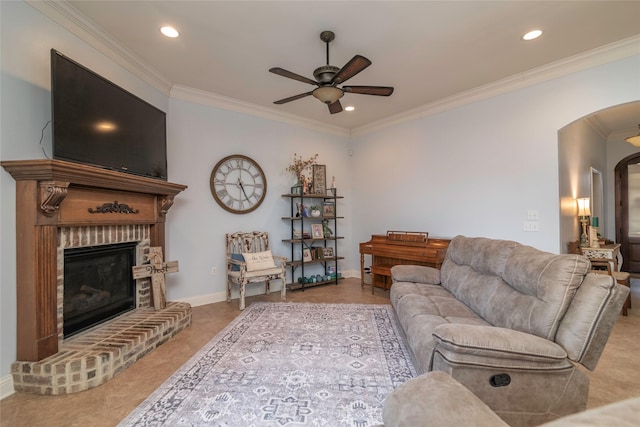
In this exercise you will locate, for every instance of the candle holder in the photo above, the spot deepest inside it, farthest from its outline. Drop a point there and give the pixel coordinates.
(584, 242)
(593, 237)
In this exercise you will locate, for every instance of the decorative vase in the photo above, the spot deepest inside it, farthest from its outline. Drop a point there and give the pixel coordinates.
(315, 213)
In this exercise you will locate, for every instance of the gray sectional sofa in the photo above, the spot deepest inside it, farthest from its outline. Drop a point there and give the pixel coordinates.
(510, 323)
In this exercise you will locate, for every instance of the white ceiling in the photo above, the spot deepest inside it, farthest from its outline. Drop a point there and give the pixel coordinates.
(429, 51)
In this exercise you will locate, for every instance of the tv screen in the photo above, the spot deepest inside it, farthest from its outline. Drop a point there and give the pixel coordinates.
(98, 123)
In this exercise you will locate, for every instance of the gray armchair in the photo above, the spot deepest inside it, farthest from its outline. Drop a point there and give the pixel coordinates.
(435, 399)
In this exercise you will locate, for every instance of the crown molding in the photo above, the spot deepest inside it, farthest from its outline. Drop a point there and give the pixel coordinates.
(186, 93)
(78, 24)
(599, 56)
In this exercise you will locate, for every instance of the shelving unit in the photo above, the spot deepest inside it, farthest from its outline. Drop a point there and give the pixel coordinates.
(299, 267)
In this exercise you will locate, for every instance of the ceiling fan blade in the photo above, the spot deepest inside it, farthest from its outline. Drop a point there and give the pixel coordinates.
(369, 90)
(284, 73)
(351, 68)
(293, 98)
(336, 107)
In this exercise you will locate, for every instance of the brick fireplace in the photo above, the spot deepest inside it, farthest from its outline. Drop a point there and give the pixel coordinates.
(60, 206)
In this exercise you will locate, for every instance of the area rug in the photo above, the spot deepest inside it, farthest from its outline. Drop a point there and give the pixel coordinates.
(287, 364)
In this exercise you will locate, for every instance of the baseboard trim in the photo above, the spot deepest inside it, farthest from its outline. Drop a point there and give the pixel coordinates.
(204, 299)
(251, 291)
(6, 386)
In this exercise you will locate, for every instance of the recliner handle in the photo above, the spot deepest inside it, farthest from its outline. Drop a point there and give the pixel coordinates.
(500, 380)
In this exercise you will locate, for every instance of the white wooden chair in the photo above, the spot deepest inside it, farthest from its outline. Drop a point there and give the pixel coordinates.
(249, 260)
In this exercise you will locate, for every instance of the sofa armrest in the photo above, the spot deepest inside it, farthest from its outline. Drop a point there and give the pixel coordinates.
(415, 273)
(435, 399)
(497, 347)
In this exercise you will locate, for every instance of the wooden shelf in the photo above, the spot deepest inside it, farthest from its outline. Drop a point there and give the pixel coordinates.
(297, 286)
(312, 196)
(298, 218)
(310, 239)
(314, 261)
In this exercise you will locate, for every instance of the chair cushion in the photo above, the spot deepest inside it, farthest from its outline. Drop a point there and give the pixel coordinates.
(237, 257)
(261, 274)
(258, 260)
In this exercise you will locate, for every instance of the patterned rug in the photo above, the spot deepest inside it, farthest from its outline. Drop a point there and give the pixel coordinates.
(287, 364)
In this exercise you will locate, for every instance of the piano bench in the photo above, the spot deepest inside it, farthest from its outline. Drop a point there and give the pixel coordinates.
(382, 270)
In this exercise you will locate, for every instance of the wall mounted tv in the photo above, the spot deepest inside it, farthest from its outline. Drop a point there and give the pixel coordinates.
(98, 123)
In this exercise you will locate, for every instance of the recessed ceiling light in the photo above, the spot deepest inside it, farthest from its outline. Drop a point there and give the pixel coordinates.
(532, 35)
(169, 32)
(349, 108)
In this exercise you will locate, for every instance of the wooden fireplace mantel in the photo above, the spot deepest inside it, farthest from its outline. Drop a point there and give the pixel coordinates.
(52, 194)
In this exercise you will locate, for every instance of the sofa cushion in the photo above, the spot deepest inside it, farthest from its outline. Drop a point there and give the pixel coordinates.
(510, 285)
(420, 309)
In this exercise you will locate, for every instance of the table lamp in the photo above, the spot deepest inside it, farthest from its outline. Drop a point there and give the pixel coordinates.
(584, 213)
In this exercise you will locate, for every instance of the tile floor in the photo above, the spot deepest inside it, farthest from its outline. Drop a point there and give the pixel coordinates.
(616, 377)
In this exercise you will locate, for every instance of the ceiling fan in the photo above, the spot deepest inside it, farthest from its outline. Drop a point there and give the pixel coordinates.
(329, 77)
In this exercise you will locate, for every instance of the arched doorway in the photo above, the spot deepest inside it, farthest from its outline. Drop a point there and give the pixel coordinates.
(627, 211)
(596, 141)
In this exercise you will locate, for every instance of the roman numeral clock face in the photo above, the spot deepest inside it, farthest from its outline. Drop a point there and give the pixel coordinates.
(238, 184)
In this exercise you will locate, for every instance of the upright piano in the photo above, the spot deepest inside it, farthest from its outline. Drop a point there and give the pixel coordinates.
(400, 247)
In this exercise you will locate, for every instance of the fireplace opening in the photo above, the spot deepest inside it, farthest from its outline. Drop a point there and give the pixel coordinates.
(98, 285)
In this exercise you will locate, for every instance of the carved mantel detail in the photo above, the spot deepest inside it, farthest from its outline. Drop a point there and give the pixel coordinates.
(165, 204)
(52, 193)
(114, 207)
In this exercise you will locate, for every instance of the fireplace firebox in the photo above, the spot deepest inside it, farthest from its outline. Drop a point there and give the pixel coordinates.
(98, 285)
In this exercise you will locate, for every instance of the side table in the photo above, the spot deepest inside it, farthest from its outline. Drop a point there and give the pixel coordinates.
(609, 252)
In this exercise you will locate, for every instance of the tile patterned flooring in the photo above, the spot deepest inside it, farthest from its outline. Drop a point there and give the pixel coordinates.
(617, 376)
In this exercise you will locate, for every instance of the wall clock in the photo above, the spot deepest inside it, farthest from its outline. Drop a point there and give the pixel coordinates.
(238, 184)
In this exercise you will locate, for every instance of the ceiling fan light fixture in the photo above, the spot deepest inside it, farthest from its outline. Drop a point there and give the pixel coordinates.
(634, 140)
(328, 94)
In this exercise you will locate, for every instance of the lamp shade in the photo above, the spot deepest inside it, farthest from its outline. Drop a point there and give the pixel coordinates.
(634, 140)
(583, 207)
(328, 94)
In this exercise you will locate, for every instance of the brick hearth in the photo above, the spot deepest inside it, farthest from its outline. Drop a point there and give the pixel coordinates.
(94, 357)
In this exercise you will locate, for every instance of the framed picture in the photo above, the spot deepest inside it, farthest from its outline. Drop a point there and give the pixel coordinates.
(306, 254)
(328, 209)
(316, 231)
(327, 252)
(319, 179)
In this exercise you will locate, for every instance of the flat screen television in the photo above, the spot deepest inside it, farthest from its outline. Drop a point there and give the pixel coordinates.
(98, 123)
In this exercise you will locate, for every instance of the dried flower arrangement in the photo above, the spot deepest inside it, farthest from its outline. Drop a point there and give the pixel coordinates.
(298, 166)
